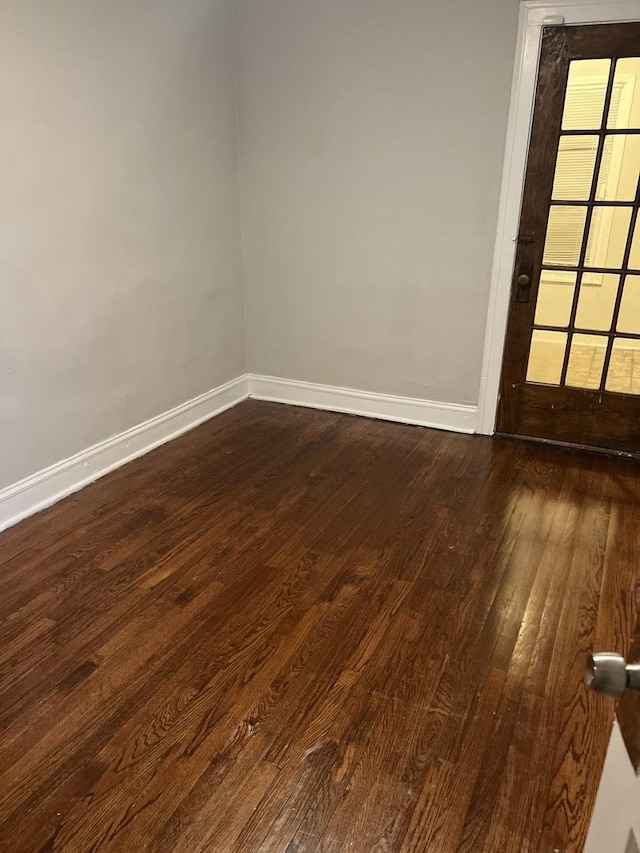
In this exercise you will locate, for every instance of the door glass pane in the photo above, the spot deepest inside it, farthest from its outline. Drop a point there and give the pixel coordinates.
(608, 236)
(555, 298)
(634, 259)
(597, 301)
(623, 375)
(546, 357)
(629, 317)
(586, 361)
(564, 235)
(627, 112)
(618, 179)
(586, 90)
(574, 168)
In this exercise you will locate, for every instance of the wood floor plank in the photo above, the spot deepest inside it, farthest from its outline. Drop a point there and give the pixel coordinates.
(301, 631)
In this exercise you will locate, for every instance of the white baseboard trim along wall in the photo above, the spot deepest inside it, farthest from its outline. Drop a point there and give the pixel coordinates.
(405, 410)
(47, 487)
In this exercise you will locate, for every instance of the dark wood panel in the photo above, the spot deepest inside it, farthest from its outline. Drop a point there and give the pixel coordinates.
(629, 705)
(558, 414)
(294, 630)
(629, 716)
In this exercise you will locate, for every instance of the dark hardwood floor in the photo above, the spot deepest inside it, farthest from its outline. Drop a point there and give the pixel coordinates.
(299, 631)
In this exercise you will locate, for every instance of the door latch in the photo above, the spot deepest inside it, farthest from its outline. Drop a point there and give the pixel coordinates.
(524, 282)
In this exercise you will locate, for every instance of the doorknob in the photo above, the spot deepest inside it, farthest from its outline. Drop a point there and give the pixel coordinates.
(523, 283)
(609, 674)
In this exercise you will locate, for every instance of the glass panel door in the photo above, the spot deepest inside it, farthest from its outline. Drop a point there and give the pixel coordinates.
(586, 285)
(571, 368)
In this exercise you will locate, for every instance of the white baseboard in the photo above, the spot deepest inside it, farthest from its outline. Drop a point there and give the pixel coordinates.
(45, 488)
(406, 410)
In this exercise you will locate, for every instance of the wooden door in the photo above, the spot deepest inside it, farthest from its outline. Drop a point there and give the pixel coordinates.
(615, 824)
(571, 371)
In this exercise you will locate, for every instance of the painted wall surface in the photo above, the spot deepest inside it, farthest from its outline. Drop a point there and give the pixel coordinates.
(120, 267)
(371, 136)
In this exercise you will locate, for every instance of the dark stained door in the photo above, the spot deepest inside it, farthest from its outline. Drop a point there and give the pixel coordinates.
(571, 371)
(629, 710)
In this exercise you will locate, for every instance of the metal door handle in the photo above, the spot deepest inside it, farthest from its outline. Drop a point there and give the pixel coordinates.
(523, 283)
(609, 674)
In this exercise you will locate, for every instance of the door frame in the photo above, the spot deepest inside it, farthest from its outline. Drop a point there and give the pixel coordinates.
(534, 14)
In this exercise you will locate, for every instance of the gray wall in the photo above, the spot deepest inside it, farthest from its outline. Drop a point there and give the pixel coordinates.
(119, 245)
(371, 144)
